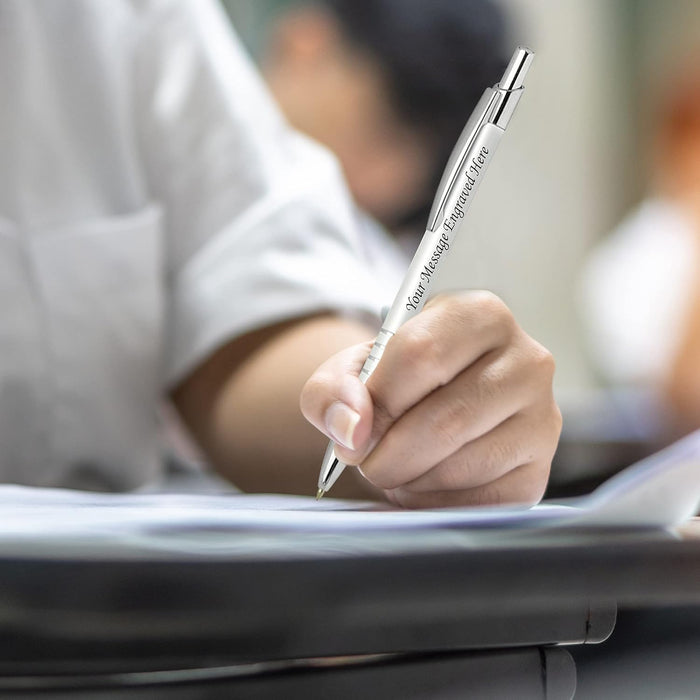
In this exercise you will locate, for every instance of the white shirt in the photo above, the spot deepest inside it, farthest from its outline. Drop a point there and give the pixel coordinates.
(153, 205)
(635, 294)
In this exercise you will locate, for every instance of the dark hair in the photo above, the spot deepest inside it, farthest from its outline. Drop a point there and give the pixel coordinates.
(438, 56)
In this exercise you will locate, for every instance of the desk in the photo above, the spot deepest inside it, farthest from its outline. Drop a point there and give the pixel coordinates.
(224, 604)
(653, 652)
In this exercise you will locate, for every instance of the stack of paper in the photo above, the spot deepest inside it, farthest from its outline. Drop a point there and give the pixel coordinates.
(661, 491)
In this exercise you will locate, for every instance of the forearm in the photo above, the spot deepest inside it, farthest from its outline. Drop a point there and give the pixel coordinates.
(242, 406)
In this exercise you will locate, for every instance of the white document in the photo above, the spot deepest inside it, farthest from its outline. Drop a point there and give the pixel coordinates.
(661, 491)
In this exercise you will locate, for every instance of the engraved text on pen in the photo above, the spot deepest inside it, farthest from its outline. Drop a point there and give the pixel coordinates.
(472, 172)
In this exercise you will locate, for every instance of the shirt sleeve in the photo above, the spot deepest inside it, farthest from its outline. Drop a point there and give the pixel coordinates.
(259, 226)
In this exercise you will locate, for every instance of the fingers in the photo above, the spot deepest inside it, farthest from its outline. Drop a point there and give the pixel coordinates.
(487, 436)
(515, 442)
(478, 400)
(524, 485)
(459, 411)
(430, 349)
(337, 402)
(428, 352)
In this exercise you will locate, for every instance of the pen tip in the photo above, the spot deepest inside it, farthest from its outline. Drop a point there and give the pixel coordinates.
(319, 494)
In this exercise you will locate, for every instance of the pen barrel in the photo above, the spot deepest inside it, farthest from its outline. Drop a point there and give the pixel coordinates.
(419, 282)
(462, 177)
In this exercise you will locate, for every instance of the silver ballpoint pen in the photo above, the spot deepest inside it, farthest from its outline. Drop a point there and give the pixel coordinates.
(463, 174)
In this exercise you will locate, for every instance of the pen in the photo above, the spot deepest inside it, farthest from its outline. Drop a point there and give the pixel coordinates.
(462, 176)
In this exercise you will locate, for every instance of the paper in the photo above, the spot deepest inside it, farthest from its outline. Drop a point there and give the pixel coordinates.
(660, 491)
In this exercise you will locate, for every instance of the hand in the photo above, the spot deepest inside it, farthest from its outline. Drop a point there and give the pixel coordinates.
(459, 411)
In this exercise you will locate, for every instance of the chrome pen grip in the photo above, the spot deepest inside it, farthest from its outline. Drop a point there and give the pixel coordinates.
(375, 354)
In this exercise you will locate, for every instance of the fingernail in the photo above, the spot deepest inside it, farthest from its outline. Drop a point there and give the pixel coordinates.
(341, 422)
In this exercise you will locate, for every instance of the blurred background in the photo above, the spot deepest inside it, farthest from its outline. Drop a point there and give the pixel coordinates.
(599, 144)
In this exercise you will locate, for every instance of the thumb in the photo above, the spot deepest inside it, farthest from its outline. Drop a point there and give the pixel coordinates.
(336, 402)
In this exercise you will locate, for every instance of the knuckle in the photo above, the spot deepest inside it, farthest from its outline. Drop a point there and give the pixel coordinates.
(549, 424)
(494, 320)
(557, 421)
(544, 361)
(492, 308)
(423, 355)
(540, 434)
(455, 306)
(473, 307)
(491, 303)
(540, 361)
(422, 350)
(540, 367)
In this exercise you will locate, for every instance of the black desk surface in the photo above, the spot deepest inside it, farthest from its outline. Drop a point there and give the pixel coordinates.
(298, 596)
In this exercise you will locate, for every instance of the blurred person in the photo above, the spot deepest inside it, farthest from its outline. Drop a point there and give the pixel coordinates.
(163, 232)
(640, 286)
(387, 85)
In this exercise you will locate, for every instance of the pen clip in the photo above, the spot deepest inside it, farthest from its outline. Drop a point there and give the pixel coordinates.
(496, 106)
(459, 152)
